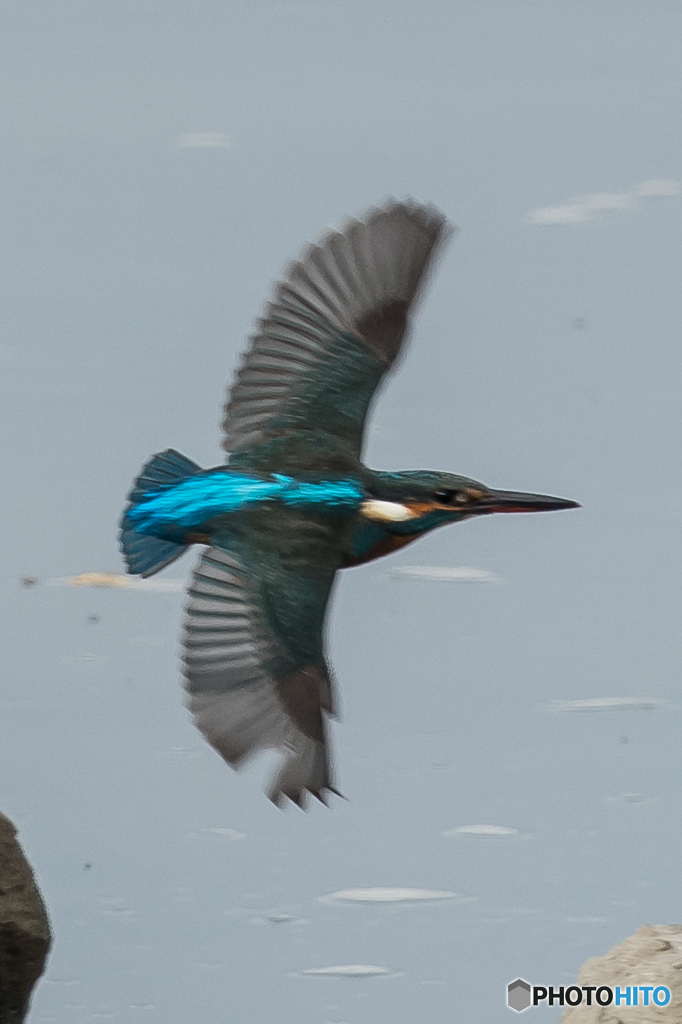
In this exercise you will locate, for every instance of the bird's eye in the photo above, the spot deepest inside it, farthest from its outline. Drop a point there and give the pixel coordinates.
(451, 497)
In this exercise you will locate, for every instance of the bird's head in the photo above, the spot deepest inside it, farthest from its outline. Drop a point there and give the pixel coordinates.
(416, 501)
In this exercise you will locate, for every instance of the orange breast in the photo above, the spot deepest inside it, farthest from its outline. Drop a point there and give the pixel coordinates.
(383, 547)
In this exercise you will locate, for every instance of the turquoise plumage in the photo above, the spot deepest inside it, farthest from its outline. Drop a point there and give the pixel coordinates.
(295, 503)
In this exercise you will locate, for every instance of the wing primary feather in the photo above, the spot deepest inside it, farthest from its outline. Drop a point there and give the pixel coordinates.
(362, 281)
(237, 700)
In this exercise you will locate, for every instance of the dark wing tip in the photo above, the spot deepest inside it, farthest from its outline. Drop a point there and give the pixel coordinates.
(299, 797)
(363, 280)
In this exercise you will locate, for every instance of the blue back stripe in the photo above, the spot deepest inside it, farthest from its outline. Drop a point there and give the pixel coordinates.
(205, 495)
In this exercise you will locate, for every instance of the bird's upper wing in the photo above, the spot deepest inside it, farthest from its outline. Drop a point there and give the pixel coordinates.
(334, 327)
(254, 648)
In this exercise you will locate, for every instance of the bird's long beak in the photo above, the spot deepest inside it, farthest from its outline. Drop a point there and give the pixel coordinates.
(517, 501)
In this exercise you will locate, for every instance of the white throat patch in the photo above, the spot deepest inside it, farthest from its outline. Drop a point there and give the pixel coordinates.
(386, 511)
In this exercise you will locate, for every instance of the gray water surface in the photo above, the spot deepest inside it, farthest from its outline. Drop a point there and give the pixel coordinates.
(162, 162)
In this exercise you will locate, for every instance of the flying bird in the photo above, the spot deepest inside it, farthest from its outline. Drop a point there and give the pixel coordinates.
(294, 502)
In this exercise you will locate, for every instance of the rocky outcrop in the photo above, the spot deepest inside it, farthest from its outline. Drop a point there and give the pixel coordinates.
(24, 928)
(650, 957)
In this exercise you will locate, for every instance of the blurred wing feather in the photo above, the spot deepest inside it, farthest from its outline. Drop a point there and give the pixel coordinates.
(334, 327)
(253, 650)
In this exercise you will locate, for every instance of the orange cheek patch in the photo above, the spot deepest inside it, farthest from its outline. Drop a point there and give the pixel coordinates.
(421, 508)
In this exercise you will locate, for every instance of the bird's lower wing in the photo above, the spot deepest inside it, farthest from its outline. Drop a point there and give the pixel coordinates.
(253, 650)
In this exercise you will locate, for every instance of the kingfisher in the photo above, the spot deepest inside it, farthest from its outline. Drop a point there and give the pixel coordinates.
(294, 503)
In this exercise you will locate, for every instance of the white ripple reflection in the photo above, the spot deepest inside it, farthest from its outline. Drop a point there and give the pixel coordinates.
(608, 704)
(481, 830)
(447, 573)
(349, 971)
(378, 894)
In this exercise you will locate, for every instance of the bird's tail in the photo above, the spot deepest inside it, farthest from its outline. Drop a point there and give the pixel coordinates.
(145, 554)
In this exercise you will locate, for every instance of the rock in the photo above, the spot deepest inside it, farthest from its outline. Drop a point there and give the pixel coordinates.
(652, 956)
(24, 928)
